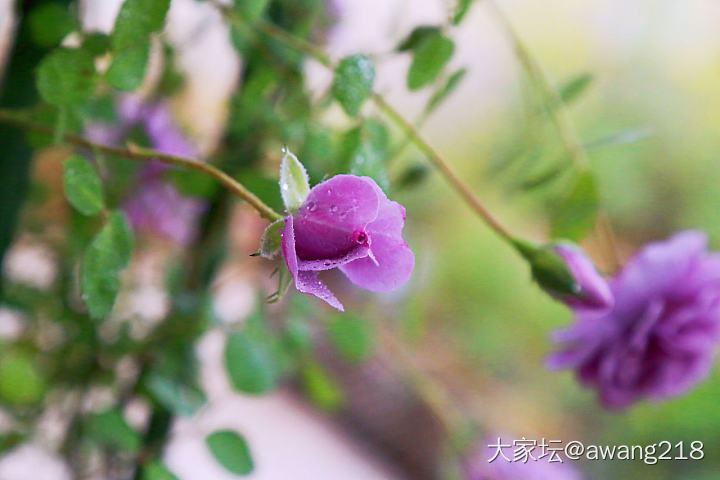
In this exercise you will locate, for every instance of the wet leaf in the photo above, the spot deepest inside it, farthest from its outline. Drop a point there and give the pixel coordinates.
(353, 83)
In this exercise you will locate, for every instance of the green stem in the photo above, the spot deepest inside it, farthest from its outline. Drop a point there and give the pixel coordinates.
(410, 131)
(560, 117)
(148, 155)
(443, 166)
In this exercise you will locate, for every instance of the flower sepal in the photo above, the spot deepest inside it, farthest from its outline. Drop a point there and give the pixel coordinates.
(270, 242)
(548, 269)
(294, 182)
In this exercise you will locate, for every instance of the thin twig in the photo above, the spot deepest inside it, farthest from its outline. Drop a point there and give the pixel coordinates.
(443, 166)
(560, 117)
(437, 160)
(148, 155)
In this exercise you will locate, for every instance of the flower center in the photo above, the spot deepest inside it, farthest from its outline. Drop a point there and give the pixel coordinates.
(361, 237)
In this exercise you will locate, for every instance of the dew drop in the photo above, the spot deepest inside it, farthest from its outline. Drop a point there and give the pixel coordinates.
(311, 206)
(333, 208)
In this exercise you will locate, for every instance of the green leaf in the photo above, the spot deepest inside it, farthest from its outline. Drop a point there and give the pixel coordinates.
(417, 36)
(412, 176)
(429, 59)
(250, 364)
(66, 76)
(21, 382)
(127, 69)
(107, 255)
(322, 390)
(623, 137)
(548, 269)
(294, 182)
(180, 398)
(49, 23)
(573, 215)
(463, 7)
(157, 471)
(110, 429)
(135, 22)
(352, 337)
(96, 43)
(353, 83)
(250, 10)
(442, 93)
(574, 87)
(270, 240)
(231, 450)
(298, 334)
(83, 187)
(364, 151)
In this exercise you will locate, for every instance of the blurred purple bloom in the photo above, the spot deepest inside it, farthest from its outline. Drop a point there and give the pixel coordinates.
(478, 466)
(347, 222)
(159, 208)
(154, 205)
(661, 336)
(593, 291)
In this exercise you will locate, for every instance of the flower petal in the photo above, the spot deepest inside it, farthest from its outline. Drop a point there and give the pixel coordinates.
(392, 261)
(306, 281)
(332, 213)
(360, 251)
(594, 291)
(395, 263)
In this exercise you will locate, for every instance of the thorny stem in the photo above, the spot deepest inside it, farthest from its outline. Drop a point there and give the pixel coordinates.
(147, 155)
(411, 132)
(560, 117)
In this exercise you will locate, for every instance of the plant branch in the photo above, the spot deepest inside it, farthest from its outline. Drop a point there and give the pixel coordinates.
(410, 131)
(443, 166)
(559, 115)
(134, 152)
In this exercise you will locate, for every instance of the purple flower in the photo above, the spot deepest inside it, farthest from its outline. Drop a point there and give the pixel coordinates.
(347, 222)
(505, 467)
(660, 338)
(593, 291)
(157, 207)
(154, 205)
